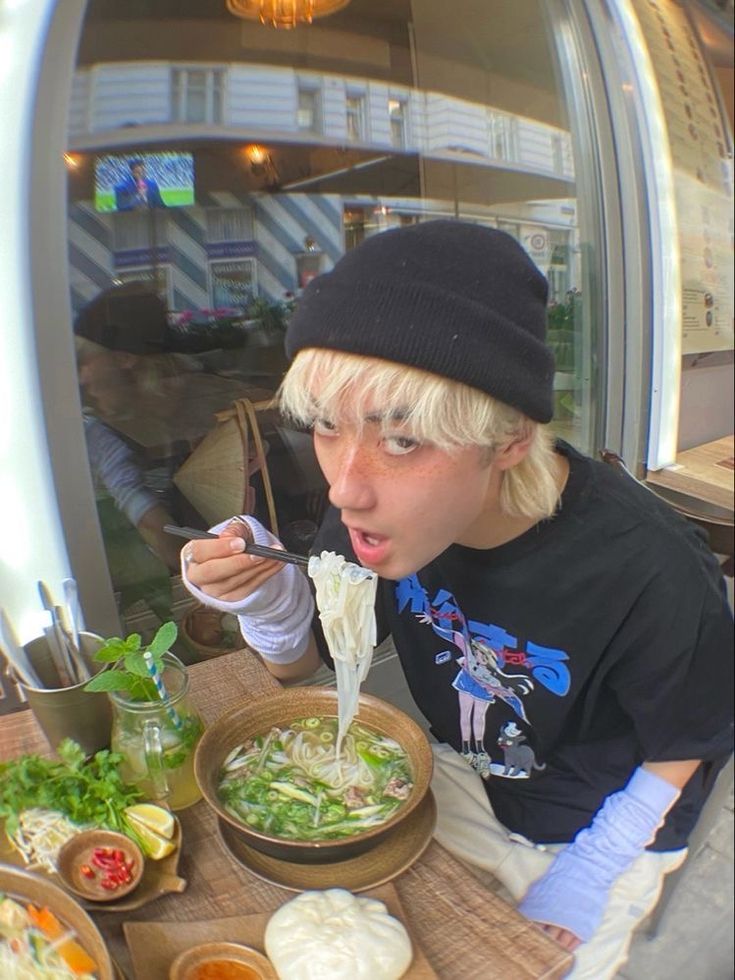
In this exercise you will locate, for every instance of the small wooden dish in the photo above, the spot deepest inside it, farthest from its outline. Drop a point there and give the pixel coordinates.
(81, 873)
(252, 964)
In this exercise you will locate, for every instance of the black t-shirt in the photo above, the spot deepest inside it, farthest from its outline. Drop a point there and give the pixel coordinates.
(558, 662)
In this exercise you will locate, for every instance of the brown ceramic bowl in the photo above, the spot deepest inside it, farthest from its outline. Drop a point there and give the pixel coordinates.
(280, 709)
(80, 871)
(28, 888)
(246, 963)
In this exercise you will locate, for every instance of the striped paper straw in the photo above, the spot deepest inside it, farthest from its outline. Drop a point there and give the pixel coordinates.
(162, 693)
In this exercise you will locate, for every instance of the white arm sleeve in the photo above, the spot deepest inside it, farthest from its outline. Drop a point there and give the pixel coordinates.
(275, 620)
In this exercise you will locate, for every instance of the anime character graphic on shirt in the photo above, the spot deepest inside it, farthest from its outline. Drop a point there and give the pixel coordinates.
(490, 665)
(518, 758)
(479, 683)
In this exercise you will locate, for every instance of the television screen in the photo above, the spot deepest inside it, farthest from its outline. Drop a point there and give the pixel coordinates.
(139, 181)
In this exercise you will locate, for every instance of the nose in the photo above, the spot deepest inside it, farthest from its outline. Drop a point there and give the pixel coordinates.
(350, 486)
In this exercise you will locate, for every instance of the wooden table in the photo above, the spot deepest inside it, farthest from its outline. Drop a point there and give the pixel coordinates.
(705, 474)
(465, 931)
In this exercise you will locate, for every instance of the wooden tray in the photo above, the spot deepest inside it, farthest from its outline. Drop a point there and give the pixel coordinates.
(154, 945)
(159, 878)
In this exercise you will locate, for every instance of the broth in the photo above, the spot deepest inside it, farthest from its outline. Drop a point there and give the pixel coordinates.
(292, 783)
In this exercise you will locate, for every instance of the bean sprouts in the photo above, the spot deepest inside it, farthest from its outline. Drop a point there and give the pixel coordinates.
(40, 835)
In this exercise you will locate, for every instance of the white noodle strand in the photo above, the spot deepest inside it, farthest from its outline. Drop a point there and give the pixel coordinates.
(345, 598)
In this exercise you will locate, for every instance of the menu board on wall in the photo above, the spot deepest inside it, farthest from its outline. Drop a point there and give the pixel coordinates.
(703, 176)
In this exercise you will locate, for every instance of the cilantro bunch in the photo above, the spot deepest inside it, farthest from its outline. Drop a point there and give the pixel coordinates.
(130, 673)
(86, 791)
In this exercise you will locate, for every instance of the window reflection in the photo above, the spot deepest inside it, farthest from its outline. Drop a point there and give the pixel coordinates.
(382, 114)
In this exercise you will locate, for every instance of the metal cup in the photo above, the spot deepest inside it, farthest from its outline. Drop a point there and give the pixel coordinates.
(69, 712)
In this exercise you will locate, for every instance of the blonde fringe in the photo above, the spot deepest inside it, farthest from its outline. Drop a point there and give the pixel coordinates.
(445, 413)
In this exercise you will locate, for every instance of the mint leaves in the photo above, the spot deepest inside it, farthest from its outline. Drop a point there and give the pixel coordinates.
(130, 673)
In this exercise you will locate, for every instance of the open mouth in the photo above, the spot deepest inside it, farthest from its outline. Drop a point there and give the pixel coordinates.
(369, 547)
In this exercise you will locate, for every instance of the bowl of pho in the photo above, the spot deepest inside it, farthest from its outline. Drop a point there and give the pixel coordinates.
(279, 772)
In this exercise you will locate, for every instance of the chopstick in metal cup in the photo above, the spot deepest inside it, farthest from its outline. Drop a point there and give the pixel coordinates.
(81, 671)
(15, 655)
(71, 600)
(55, 639)
(193, 534)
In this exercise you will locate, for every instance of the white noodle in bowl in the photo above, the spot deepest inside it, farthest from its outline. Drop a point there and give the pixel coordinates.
(301, 783)
(226, 742)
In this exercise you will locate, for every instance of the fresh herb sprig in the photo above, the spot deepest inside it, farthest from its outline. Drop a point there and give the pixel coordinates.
(86, 791)
(130, 673)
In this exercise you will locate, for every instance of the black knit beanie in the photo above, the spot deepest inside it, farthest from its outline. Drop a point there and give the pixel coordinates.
(455, 299)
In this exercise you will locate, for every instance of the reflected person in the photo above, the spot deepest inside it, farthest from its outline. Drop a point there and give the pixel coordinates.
(122, 363)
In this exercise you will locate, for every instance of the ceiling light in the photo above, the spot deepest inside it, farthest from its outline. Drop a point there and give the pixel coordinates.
(284, 13)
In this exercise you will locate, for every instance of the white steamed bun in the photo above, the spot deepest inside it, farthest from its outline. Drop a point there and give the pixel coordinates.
(335, 935)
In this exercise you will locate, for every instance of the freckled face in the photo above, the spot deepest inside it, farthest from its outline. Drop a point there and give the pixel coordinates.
(402, 501)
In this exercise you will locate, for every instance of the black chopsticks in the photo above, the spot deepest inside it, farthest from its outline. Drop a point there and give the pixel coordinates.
(192, 534)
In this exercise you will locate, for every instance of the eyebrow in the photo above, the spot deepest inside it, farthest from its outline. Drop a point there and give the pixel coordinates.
(397, 415)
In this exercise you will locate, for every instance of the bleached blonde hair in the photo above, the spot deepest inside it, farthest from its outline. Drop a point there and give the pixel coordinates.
(447, 414)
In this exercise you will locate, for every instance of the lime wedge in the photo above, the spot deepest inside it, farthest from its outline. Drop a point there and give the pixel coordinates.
(153, 817)
(153, 845)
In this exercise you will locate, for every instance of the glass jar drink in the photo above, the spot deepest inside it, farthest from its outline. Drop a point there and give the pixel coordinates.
(157, 739)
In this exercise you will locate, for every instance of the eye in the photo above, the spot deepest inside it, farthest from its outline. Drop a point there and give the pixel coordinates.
(323, 427)
(400, 445)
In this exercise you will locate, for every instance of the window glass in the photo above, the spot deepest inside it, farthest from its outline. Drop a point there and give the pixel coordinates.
(196, 95)
(302, 144)
(397, 113)
(307, 115)
(232, 284)
(354, 116)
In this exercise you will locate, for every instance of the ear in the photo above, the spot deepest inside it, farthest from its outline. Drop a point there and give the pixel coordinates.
(513, 452)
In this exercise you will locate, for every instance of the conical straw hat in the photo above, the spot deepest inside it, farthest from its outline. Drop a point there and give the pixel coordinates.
(215, 477)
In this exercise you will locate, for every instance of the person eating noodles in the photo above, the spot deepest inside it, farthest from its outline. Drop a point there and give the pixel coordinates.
(563, 631)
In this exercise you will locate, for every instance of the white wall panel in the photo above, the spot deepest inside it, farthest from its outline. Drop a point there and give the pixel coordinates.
(334, 95)
(261, 97)
(124, 94)
(376, 104)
